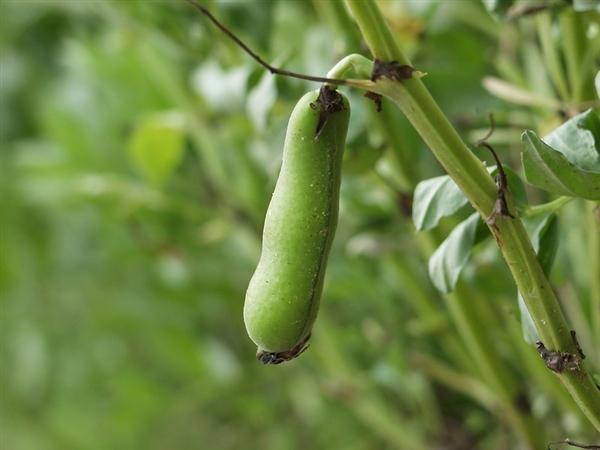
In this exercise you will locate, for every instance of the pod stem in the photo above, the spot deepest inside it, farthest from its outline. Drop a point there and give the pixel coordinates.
(361, 66)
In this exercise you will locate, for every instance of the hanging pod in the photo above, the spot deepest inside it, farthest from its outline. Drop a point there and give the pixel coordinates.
(284, 293)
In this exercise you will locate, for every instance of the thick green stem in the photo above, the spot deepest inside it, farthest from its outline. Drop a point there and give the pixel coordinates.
(360, 65)
(472, 178)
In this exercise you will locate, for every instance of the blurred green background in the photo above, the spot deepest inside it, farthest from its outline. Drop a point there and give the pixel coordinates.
(140, 148)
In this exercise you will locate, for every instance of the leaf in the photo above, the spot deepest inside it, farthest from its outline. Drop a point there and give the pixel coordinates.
(545, 243)
(260, 100)
(440, 197)
(156, 146)
(530, 332)
(548, 169)
(436, 198)
(578, 140)
(448, 261)
(223, 89)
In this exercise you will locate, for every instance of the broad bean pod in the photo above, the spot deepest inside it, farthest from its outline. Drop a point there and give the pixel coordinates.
(283, 296)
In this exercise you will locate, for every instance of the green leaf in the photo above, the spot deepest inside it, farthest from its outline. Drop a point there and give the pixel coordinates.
(530, 332)
(545, 242)
(260, 100)
(223, 89)
(440, 197)
(448, 261)
(579, 141)
(550, 170)
(436, 198)
(156, 146)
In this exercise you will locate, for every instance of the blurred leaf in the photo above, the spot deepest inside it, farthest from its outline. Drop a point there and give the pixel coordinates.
(156, 146)
(448, 261)
(513, 93)
(223, 89)
(586, 5)
(550, 170)
(260, 100)
(436, 198)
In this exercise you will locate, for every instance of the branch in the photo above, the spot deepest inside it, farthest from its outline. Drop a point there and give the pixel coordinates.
(258, 59)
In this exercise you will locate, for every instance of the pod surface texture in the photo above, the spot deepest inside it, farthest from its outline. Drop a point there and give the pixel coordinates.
(282, 299)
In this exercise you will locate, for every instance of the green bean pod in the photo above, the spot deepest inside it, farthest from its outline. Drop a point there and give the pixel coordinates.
(284, 293)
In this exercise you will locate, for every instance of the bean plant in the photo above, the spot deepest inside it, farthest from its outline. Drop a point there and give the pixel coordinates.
(141, 149)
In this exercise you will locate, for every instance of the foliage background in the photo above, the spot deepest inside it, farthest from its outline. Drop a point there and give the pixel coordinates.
(139, 151)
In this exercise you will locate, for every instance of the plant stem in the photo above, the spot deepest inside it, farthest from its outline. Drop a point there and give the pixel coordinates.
(472, 178)
(550, 207)
(358, 63)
